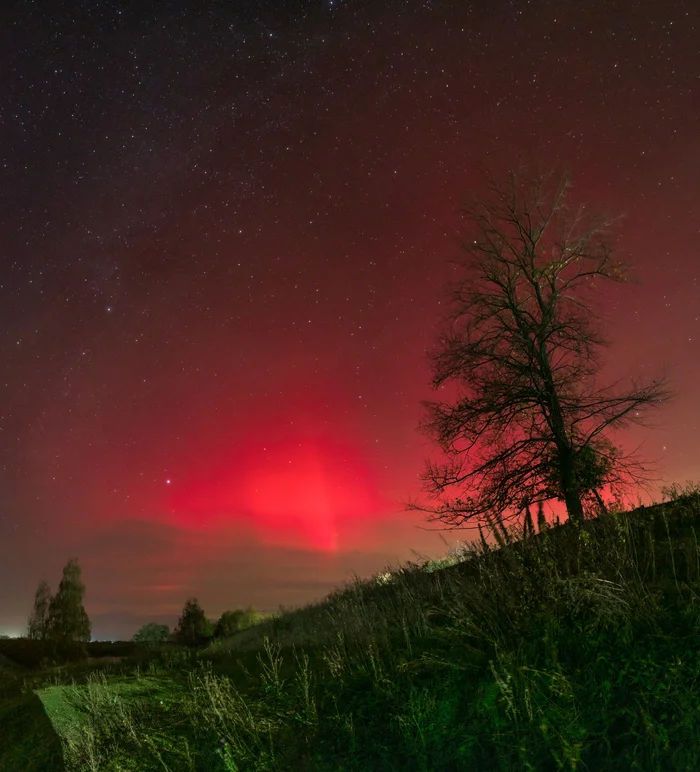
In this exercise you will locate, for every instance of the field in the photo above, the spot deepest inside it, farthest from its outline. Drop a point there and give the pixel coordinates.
(573, 649)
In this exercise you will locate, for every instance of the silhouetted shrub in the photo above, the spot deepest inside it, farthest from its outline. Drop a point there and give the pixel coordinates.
(152, 633)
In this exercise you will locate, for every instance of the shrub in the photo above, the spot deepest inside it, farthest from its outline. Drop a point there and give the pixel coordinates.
(231, 622)
(152, 633)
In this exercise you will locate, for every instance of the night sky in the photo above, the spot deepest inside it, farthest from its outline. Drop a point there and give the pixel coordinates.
(225, 231)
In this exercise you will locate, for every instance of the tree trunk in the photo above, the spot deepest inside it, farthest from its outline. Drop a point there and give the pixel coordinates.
(555, 418)
(574, 507)
(601, 503)
(572, 497)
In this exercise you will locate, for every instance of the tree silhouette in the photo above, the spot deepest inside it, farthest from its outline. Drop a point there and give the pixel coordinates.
(67, 618)
(518, 355)
(192, 627)
(152, 632)
(38, 621)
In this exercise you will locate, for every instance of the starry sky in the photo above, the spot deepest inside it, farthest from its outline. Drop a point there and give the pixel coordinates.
(225, 232)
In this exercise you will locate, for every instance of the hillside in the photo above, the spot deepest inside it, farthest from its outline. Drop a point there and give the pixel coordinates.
(571, 649)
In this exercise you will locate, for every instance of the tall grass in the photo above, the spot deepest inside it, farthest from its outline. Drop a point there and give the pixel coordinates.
(569, 649)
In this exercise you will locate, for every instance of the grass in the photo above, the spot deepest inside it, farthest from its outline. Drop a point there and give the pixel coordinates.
(571, 649)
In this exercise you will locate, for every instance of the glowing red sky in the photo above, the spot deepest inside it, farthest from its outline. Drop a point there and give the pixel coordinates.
(295, 483)
(224, 242)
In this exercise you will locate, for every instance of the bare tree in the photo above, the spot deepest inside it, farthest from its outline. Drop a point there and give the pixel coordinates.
(519, 354)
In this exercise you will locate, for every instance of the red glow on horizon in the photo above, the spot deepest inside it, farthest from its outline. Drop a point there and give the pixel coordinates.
(302, 490)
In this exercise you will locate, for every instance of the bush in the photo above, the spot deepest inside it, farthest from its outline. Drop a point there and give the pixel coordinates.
(152, 633)
(231, 622)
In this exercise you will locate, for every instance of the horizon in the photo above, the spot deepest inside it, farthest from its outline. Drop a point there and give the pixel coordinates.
(123, 621)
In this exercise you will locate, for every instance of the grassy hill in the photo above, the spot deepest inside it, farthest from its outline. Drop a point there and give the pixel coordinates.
(575, 648)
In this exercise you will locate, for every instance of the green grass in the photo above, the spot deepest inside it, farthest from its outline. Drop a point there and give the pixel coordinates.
(574, 649)
(28, 739)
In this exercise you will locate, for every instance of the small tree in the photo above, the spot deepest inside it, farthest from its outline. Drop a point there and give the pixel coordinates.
(231, 622)
(520, 351)
(193, 628)
(67, 618)
(152, 633)
(38, 621)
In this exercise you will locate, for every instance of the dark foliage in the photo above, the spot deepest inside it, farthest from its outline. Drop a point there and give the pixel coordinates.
(152, 633)
(231, 622)
(193, 628)
(67, 619)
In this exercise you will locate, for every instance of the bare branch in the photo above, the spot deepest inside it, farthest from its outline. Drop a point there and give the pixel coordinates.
(522, 344)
